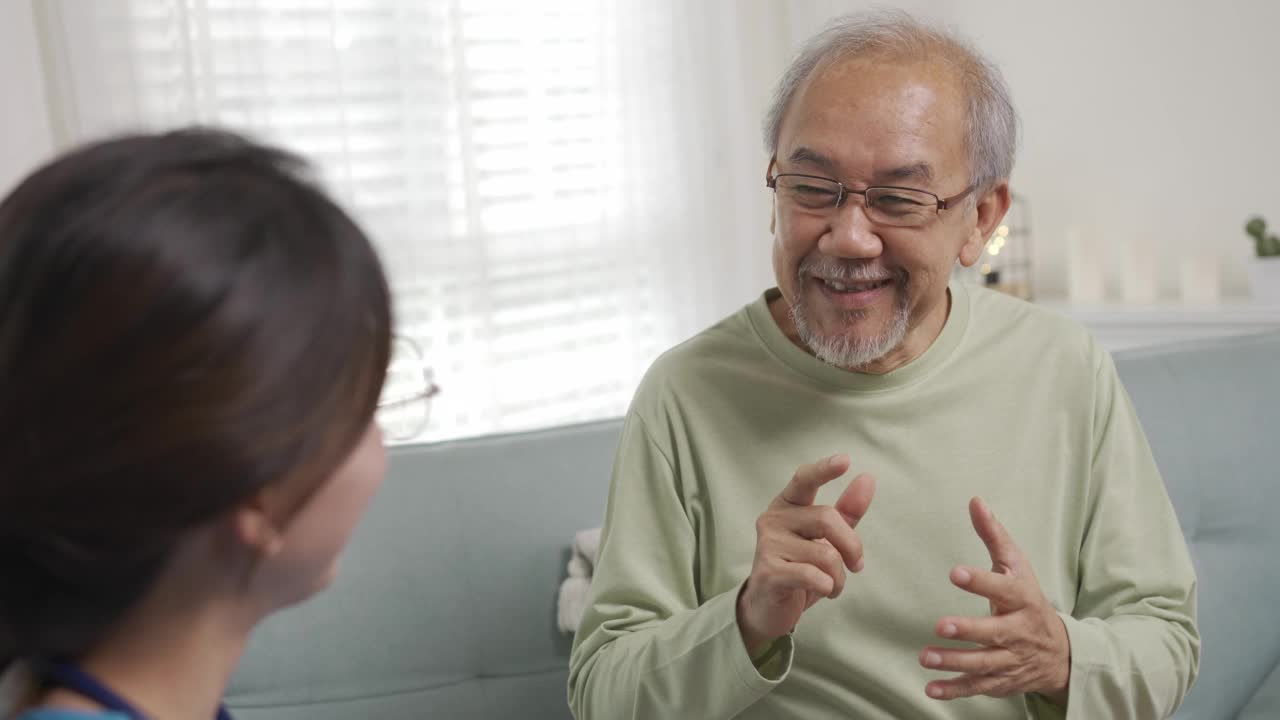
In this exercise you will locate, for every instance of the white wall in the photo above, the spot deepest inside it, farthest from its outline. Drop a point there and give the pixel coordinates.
(1145, 121)
(24, 121)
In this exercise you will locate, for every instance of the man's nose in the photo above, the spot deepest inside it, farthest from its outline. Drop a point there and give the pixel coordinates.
(851, 234)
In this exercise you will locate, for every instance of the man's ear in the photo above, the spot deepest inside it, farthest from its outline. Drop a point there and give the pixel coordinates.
(991, 208)
(773, 206)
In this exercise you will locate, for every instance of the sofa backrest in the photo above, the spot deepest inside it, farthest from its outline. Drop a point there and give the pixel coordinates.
(1211, 411)
(445, 603)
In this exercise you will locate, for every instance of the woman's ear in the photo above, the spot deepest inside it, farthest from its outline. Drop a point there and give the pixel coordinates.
(255, 524)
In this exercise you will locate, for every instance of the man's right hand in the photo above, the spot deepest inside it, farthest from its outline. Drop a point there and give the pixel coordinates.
(802, 551)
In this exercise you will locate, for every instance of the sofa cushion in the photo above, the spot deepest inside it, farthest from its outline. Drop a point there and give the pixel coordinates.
(1265, 704)
(1211, 411)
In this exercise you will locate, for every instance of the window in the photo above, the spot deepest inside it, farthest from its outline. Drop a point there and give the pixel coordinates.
(505, 156)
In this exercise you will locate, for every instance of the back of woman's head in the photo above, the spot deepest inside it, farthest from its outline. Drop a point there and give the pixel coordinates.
(184, 321)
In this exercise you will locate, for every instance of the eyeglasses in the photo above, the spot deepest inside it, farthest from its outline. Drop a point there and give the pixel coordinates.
(404, 410)
(896, 206)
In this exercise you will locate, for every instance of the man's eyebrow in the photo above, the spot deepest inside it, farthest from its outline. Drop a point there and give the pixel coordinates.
(810, 156)
(921, 171)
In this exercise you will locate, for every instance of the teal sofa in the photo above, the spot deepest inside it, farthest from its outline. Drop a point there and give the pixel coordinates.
(445, 606)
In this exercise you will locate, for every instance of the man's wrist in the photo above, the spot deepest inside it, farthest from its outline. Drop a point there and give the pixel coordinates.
(754, 642)
(1059, 697)
(771, 648)
(1061, 687)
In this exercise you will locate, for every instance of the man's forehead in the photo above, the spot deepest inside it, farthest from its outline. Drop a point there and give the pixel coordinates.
(887, 122)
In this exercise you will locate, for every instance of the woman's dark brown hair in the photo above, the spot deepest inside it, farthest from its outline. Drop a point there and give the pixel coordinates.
(184, 319)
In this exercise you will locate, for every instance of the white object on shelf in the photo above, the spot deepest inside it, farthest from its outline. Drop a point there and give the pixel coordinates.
(1198, 279)
(1084, 267)
(1139, 270)
(1264, 279)
(1117, 327)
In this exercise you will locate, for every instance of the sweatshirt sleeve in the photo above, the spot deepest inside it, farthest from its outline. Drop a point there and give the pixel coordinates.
(649, 646)
(1135, 648)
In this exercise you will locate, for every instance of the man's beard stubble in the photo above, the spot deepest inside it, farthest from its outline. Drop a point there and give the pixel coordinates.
(851, 352)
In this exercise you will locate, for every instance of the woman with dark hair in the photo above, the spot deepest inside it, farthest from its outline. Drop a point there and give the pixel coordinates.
(193, 339)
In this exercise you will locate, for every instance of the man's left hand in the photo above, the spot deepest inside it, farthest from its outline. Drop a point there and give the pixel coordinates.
(1024, 644)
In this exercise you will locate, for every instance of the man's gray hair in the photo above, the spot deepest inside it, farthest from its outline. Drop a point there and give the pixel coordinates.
(894, 35)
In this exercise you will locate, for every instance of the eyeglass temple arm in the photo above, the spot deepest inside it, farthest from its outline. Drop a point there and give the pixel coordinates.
(427, 394)
(944, 203)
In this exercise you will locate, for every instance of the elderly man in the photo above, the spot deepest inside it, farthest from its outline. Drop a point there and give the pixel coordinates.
(1020, 558)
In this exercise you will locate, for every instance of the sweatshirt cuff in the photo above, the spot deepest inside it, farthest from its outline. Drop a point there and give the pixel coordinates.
(775, 661)
(1089, 650)
(774, 664)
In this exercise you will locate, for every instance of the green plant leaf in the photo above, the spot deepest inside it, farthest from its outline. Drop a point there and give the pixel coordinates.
(1256, 227)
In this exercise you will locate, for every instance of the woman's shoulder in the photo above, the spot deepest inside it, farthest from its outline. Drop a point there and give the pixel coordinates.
(18, 689)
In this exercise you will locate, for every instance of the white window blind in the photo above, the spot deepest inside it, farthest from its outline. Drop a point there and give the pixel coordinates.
(511, 159)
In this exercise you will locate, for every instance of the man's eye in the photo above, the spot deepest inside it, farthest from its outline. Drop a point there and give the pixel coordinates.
(813, 190)
(898, 201)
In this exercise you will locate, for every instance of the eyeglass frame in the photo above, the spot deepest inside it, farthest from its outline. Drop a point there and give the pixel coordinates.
(430, 389)
(940, 204)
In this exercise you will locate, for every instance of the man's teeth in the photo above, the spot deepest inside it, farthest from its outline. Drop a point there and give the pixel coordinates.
(853, 287)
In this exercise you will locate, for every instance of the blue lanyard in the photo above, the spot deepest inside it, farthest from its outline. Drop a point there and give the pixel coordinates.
(73, 678)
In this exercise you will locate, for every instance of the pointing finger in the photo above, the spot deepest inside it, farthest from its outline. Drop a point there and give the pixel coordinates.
(1003, 550)
(803, 487)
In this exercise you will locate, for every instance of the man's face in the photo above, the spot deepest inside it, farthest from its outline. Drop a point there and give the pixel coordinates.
(856, 290)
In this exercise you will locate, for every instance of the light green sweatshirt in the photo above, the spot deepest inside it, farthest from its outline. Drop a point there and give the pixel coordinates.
(1011, 403)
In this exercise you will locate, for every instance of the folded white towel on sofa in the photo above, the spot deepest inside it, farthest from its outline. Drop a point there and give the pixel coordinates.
(573, 591)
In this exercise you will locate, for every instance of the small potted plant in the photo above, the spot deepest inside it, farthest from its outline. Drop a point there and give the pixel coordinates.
(1264, 269)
